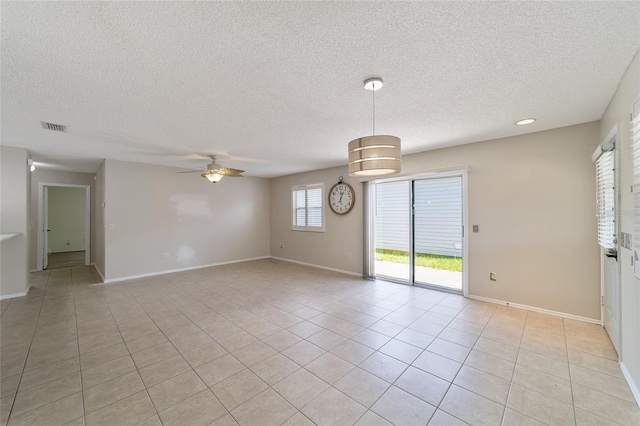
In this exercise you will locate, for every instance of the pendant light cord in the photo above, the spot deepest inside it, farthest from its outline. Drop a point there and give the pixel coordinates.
(374, 109)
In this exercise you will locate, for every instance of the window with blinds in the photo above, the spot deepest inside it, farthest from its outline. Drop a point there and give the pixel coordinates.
(635, 147)
(605, 197)
(307, 207)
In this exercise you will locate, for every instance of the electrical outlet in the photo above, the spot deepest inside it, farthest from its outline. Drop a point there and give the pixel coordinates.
(492, 276)
(165, 255)
(281, 246)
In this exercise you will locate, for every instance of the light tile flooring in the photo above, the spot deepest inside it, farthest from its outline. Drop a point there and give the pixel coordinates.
(270, 343)
(66, 259)
(423, 274)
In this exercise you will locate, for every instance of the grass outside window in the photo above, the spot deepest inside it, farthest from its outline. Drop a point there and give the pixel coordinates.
(448, 263)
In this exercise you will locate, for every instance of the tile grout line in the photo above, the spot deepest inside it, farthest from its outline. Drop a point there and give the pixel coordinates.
(24, 365)
(463, 363)
(573, 400)
(513, 372)
(75, 317)
(180, 354)
(136, 366)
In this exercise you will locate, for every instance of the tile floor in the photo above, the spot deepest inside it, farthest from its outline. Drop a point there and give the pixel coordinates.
(270, 343)
(66, 259)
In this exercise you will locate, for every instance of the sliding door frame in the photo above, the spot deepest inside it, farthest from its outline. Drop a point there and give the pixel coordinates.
(461, 172)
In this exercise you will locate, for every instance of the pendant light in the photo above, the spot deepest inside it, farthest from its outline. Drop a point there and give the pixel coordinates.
(377, 154)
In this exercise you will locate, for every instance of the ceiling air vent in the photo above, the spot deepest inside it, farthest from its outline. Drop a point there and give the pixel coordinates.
(54, 127)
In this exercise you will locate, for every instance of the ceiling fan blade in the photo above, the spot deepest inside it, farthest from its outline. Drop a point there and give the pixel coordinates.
(231, 172)
(192, 171)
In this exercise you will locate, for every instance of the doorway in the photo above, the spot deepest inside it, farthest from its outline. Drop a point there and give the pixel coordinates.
(419, 231)
(607, 198)
(64, 226)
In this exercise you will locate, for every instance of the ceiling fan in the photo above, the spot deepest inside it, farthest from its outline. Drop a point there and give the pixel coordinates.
(215, 172)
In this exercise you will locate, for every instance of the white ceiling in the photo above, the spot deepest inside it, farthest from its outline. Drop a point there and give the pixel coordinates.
(276, 87)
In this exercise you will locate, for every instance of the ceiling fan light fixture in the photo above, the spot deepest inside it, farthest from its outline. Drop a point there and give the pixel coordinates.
(374, 155)
(212, 176)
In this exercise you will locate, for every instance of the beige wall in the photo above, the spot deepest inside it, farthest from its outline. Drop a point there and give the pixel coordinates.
(533, 197)
(67, 219)
(56, 177)
(98, 227)
(339, 247)
(14, 214)
(153, 210)
(617, 113)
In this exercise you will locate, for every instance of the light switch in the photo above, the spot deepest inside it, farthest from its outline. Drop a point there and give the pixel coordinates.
(476, 228)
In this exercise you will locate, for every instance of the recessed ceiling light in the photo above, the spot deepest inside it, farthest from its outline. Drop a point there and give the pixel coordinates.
(525, 121)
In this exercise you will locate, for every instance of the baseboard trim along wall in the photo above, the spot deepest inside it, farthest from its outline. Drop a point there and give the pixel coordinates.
(342, 271)
(11, 296)
(632, 385)
(98, 271)
(170, 271)
(536, 309)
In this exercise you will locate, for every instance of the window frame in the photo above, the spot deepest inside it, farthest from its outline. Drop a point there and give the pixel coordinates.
(294, 209)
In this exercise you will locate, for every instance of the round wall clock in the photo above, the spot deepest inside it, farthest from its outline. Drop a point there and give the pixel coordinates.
(342, 197)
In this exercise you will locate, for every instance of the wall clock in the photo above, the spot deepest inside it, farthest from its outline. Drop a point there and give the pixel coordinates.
(342, 197)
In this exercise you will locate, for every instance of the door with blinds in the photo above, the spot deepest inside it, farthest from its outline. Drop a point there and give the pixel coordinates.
(606, 211)
(418, 229)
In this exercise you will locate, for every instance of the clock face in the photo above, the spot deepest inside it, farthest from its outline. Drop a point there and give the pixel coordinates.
(342, 198)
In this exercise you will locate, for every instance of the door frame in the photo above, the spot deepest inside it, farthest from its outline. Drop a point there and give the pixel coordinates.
(463, 172)
(613, 134)
(43, 210)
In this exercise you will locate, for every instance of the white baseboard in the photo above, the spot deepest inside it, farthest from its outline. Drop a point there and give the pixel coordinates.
(342, 271)
(170, 271)
(632, 384)
(98, 271)
(536, 309)
(11, 296)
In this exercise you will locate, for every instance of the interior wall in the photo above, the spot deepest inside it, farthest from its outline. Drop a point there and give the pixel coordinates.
(151, 210)
(67, 219)
(55, 176)
(340, 246)
(98, 225)
(618, 113)
(15, 183)
(533, 199)
(531, 195)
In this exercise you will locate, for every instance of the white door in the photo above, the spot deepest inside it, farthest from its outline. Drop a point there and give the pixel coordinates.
(45, 229)
(611, 301)
(607, 212)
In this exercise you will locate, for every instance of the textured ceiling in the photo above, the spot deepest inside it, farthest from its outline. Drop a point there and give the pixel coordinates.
(276, 87)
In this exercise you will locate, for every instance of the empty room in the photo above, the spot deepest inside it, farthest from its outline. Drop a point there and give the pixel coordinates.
(320, 213)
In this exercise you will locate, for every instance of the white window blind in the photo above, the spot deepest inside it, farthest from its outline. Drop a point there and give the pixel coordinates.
(605, 202)
(635, 147)
(307, 207)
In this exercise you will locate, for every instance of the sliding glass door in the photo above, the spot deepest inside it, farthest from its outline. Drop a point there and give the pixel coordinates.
(393, 230)
(419, 231)
(437, 226)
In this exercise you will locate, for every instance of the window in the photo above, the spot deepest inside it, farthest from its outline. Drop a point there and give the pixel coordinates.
(307, 211)
(605, 194)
